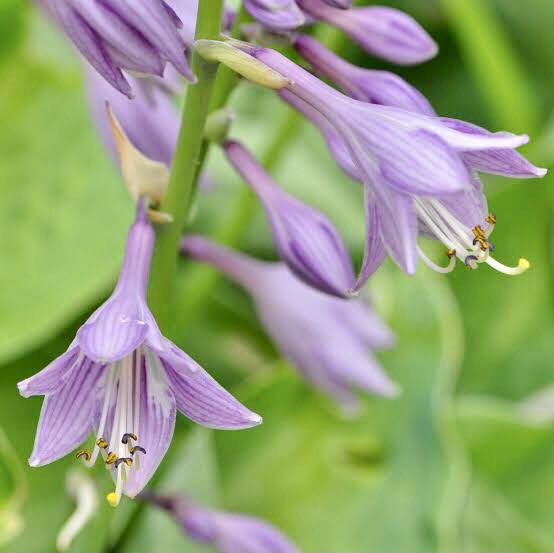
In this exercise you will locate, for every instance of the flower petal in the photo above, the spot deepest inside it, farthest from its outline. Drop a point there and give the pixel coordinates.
(68, 414)
(200, 398)
(51, 377)
(276, 14)
(156, 423)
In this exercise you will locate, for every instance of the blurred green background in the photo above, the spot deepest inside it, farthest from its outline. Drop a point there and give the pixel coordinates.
(463, 461)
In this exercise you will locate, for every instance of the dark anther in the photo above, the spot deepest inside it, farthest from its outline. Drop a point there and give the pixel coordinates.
(138, 448)
(491, 246)
(101, 443)
(83, 453)
(127, 460)
(468, 261)
(127, 436)
(111, 458)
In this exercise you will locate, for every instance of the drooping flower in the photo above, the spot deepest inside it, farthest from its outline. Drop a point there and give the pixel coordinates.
(418, 171)
(385, 32)
(305, 239)
(328, 339)
(123, 379)
(227, 532)
(114, 35)
(276, 14)
(367, 85)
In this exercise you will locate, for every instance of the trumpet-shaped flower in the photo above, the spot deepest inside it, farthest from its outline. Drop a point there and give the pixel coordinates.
(115, 35)
(384, 32)
(306, 240)
(418, 171)
(276, 14)
(122, 379)
(328, 339)
(227, 532)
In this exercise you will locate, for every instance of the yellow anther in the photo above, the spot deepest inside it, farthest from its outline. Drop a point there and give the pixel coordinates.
(491, 219)
(450, 253)
(101, 443)
(111, 458)
(478, 232)
(112, 499)
(523, 264)
(83, 453)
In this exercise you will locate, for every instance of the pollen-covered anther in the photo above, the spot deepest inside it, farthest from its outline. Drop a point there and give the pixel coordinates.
(137, 448)
(128, 436)
(111, 458)
(450, 253)
(491, 219)
(127, 460)
(102, 443)
(83, 453)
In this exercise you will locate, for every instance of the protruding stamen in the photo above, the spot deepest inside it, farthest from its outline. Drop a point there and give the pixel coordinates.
(83, 453)
(491, 219)
(471, 262)
(111, 458)
(127, 460)
(137, 448)
(127, 436)
(522, 266)
(112, 499)
(450, 253)
(102, 443)
(432, 265)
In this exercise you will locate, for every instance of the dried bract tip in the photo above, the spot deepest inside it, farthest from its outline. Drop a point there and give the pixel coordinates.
(143, 176)
(240, 62)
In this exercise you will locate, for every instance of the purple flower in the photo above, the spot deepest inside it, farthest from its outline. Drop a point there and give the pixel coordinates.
(419, 172)
(116, 35)
(121, 378)
(227, 532)
(384, 32)
(276, 14)
(327, 339)
(306, 240)
(150, 119)
(366, 85)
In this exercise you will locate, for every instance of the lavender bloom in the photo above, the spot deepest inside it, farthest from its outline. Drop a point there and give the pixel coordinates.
(327, 339)
(150, 119)
(125, 380)
(384, 32)
(366, 85)
(227, 532)
(276, 14)
(306, 240)
(419, 171)
(116, 35)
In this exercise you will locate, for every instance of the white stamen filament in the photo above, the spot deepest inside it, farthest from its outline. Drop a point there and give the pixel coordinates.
(458, 237)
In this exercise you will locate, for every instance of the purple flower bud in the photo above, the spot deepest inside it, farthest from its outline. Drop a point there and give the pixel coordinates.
(305, 239)
(227, 532)
(116, 35)
(366, 85)
(126, 381)
(276, 14)
(384, 32)
(327, 339)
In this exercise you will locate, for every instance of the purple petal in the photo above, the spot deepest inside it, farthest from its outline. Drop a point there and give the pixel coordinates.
(200, 398)
(68, 415)
(384, 32)
(276, 14)
(342, 4)
(89, 44)
(156, 424)
(306, 240)
(50, 378)
(374, 249)
(244, 534)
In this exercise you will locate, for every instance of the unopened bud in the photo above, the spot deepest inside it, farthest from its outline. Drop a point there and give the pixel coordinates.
(218, 125)
(241, 62)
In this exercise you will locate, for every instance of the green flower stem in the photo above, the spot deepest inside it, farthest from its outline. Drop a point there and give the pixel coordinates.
(181, 186)
(200, 280)
(498, 71)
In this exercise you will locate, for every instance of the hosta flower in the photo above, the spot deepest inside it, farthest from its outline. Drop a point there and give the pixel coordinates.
(227, 532)
(384, 32)
(276, 14)
(367, 85)
(328, 339)
(306, 240)
(121, 378)
(419, 171)
(115, 35)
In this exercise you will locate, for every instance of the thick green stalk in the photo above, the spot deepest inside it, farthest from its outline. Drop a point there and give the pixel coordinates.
(498, 71)
(180, 190)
